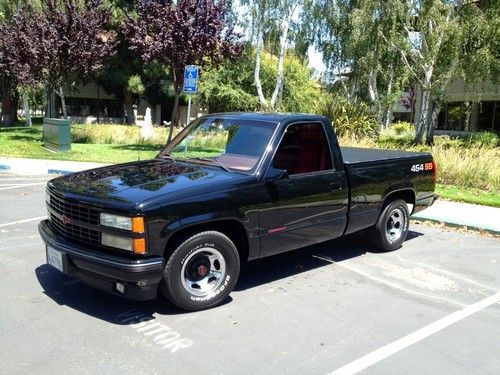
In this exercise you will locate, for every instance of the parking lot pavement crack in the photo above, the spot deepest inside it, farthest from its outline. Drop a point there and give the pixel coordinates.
(457, 276)
(392, 284)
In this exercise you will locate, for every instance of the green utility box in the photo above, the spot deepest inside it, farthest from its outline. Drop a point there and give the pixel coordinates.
(57, 134)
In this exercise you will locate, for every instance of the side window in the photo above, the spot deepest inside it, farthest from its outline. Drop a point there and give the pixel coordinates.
(303, 149)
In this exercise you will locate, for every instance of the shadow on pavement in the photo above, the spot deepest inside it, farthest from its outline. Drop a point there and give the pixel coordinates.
(263, 271)
(78, 296)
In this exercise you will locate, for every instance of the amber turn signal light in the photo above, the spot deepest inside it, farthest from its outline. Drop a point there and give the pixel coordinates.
(138, 224)
(139, 246)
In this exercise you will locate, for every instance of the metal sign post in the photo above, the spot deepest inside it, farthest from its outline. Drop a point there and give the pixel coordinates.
(190, 85)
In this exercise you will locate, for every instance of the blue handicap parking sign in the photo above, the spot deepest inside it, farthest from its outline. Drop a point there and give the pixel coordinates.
(190, 79)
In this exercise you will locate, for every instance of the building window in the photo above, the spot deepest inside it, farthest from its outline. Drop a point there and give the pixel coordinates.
(469, 116)
(488, 117)
(82, 107)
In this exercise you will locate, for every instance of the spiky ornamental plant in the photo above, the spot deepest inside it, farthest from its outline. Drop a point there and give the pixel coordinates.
(188, 32)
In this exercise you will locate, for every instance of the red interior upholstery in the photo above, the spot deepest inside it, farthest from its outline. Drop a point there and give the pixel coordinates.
(313, 153)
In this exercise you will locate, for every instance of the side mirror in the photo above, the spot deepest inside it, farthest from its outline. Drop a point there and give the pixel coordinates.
(275, 174)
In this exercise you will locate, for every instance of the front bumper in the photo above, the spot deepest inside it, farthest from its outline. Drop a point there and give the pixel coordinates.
(102, 271)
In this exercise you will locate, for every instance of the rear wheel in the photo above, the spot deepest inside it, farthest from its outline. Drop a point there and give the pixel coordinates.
(392, 226)
(201, 271)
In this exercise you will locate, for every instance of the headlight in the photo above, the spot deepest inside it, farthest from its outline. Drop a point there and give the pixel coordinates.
(116, 241)
(116, 221)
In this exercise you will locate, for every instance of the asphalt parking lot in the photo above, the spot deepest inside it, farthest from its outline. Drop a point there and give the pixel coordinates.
(431, 307)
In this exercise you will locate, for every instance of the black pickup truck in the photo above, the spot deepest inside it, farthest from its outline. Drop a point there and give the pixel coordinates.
(229, 188)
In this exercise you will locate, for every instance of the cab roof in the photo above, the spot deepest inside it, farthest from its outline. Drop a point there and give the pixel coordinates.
(275, 117)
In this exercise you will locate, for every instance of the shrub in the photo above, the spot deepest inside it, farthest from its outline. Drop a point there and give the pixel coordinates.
(474, 167)
(350, 118)
(403, 127)
(486, 139)
(399, 134)
(120, 134)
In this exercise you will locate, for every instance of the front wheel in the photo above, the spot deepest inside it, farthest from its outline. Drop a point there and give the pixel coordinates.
(201, 272)
(392, 226)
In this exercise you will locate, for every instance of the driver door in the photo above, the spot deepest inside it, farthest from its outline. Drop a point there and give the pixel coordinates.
(310, 205)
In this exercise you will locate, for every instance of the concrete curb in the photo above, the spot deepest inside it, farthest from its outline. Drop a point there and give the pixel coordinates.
(448, 224)
(463, 215)
(42, 166)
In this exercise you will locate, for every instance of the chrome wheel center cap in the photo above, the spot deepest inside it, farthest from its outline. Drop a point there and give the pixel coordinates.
(202, 270)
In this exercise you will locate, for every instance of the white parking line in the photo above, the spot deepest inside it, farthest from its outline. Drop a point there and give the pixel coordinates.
(22, 221)
(414, 337)
(3, 179)
(23, 185)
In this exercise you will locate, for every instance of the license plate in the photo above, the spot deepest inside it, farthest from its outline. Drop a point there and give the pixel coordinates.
(55, 258)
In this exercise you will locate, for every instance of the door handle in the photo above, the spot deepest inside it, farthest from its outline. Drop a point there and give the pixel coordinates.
(336, 186)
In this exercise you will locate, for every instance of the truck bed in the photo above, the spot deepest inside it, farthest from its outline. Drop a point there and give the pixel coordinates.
(354, 155)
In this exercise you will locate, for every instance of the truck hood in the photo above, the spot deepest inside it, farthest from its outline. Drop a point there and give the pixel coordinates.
(127, 185)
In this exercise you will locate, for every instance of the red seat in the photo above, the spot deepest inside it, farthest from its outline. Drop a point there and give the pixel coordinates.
(313, 150)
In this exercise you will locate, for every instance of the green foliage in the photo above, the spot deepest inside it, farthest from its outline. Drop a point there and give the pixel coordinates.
(485, 139)
(350, 118)
(469, 195)
(399, 134)
(135, 85)
(115, 134)
(403, 127)
(231, 86)
(402, 134)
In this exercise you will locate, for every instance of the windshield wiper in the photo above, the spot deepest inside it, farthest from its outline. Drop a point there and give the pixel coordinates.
(211, 160)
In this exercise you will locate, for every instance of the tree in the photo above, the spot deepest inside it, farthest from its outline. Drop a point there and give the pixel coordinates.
(189, 32)
(375, 26)
(329, 26)
(115, 75)
(355, 38)
(447, 39)
(231, 87)
(270, 19)
(74, 40)
(17, 55)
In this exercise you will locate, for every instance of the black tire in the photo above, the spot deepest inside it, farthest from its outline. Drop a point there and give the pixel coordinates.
(391, 229)
(201, 272)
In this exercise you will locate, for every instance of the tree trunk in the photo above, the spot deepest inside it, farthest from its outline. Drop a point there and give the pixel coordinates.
(63, 102)
(258, 83)
(175, 117)
(388, 117)
(7, 104)
(26, 109)
(281, 60)
(423, 116)
(388, 101)
(50, 112)
(433, 118)
(128, 106)
(13, 110)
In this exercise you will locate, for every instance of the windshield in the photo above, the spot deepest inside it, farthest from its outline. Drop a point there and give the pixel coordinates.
(229, 143)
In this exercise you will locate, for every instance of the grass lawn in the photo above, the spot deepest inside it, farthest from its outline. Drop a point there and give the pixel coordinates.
(26, 143)
(468, 195)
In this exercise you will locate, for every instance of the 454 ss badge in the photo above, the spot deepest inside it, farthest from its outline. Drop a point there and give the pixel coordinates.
(421, 167)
